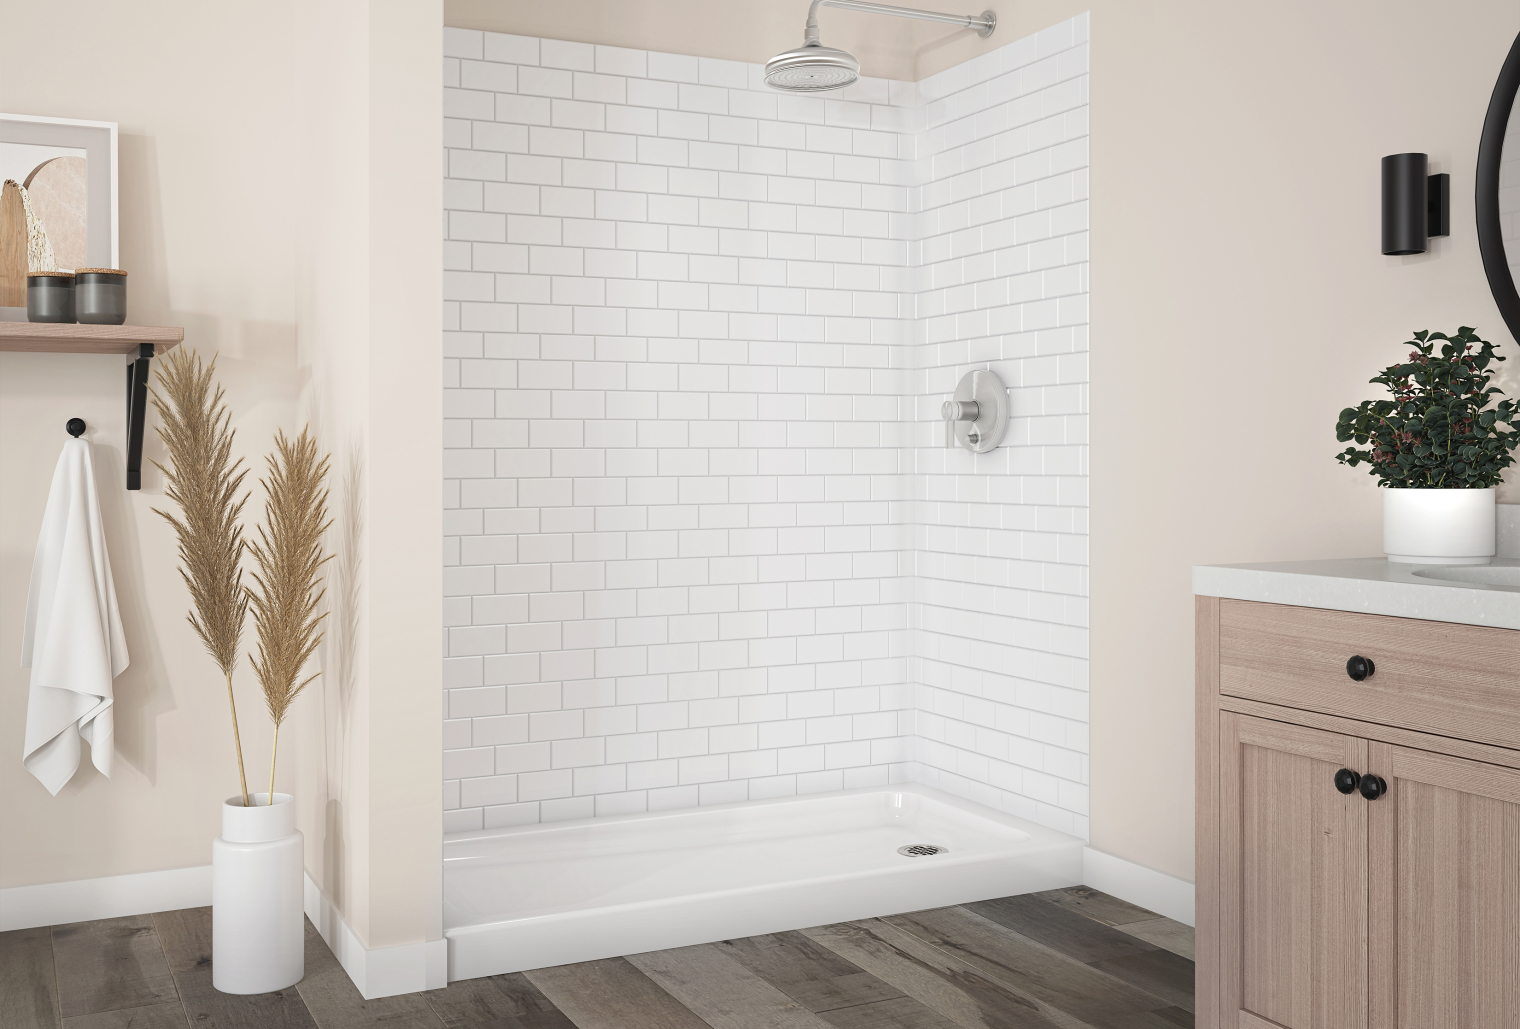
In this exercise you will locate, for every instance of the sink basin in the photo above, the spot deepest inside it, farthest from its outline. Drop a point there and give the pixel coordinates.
(1486, 575)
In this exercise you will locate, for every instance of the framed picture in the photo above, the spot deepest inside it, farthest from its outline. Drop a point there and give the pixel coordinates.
(66, 172)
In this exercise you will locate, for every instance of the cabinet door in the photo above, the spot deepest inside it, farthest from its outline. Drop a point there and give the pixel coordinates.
(1445, 892)
(1293, 878)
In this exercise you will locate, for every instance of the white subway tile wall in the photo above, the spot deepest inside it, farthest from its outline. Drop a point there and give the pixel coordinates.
(998, 638)
(702, 542)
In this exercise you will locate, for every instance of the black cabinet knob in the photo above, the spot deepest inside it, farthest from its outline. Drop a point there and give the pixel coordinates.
(1372, 786)
(1360, 668)
(1346, 780)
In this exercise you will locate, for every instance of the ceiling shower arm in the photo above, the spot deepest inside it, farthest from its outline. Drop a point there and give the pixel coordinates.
(984, 23)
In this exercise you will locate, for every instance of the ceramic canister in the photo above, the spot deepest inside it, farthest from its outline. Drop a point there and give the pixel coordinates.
(1439, 526)
(100, 298)
(50, 297)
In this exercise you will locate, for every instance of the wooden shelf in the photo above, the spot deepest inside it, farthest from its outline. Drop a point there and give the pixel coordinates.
(51, 338)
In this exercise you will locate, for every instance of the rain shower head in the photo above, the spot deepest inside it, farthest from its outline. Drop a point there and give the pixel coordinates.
(813, 66)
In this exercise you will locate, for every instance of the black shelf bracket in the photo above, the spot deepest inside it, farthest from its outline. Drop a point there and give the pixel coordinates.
(137, 412)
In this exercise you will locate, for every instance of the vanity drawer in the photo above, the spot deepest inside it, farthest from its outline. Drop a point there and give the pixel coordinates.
(1437, 677)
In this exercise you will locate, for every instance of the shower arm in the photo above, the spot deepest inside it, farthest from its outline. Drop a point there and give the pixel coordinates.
(984, 23)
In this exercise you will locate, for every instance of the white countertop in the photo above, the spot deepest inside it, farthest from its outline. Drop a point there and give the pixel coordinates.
(1374, 586)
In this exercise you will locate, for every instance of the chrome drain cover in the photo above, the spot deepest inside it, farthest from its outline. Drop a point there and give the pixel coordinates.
(922, 850)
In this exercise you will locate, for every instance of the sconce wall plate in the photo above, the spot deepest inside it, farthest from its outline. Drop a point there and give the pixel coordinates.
(977, 416)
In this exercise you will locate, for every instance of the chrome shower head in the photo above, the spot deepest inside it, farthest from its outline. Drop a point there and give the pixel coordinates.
(811, 67)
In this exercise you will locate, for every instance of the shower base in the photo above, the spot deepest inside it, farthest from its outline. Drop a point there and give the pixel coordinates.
(541, 895)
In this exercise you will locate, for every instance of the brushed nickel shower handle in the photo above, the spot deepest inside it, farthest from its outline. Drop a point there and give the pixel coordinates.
(953, 411)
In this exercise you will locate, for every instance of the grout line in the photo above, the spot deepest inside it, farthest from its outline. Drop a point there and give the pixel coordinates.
(173, 977)
(1158, 918)
(57, 985)
(678, 1002)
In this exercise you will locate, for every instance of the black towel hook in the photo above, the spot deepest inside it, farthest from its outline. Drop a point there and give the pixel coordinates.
(75, 427)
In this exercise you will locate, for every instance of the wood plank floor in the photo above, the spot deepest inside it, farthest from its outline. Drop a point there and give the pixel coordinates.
(1065, 959)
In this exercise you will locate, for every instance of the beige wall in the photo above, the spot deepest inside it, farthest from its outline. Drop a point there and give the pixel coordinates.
(1239, 302)
(1239, 297)
(368, 300)
(404, 506)
(206, 226)
(260, 170)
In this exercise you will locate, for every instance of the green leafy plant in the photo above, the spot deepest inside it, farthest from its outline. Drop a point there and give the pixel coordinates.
(1438, 430)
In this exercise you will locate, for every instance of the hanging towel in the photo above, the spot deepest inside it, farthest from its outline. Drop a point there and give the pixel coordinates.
(73, 639)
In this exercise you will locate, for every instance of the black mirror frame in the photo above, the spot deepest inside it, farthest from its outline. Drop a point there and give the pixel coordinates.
(1486, 199)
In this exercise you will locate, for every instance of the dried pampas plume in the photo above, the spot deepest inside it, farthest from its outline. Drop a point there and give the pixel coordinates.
(288, 555)
(204, 479)
(39, 252)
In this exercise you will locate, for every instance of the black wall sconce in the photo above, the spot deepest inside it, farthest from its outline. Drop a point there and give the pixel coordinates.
(1416, 205)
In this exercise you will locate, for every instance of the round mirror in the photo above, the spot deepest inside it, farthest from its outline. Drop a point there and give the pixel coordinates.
(1498, 192)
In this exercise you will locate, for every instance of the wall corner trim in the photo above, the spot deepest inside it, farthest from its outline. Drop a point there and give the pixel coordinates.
(383, 971)
(1164, 894)
(114, 896)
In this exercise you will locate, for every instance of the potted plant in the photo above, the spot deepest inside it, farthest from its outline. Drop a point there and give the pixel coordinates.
(1439, 445)
(257, 931)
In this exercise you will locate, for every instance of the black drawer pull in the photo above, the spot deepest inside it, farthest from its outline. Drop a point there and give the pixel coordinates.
(1360, 668)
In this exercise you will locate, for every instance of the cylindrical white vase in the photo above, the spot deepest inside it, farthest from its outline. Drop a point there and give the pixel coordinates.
(1439, 526)
(257, 933)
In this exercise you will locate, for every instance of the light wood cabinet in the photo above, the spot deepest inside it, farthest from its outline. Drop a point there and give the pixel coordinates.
(1444, 904)
(1323, 909)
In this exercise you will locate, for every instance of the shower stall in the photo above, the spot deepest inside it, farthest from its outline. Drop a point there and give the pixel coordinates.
(736, 642)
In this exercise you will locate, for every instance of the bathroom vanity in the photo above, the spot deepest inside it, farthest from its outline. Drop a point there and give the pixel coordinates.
(1358, 795)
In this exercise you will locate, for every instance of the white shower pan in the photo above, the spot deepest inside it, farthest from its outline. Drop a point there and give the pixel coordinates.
(541, 895)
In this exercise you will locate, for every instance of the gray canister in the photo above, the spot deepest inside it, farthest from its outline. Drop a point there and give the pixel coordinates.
(101, 296)
(50, 297)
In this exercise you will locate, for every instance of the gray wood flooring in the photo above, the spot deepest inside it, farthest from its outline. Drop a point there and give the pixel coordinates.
(1066, 959)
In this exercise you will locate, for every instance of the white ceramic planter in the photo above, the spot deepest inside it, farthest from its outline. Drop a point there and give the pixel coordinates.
(257, 933)
(1439, 526)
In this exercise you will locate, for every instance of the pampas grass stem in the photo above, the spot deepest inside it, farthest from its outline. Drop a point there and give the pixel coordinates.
(273, 749)
(204, 479)
(288, 559)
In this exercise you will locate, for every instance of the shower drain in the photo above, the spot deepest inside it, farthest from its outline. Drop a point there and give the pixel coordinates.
(922, 850)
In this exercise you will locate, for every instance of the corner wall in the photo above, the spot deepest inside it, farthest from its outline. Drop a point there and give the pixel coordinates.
(367, 315)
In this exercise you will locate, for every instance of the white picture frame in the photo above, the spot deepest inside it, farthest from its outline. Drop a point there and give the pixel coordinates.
(98, 140)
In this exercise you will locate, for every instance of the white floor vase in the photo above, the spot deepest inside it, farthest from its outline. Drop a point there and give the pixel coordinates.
(257, 932)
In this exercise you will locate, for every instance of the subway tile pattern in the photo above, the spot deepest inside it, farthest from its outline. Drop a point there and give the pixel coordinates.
(998, 618)
(701, 543)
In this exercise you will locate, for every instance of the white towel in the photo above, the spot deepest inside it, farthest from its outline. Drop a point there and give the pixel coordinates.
(73, 639)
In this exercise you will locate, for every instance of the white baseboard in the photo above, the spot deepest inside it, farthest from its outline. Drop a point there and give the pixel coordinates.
(1164, 894)
(383, 971)
(84, 900)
